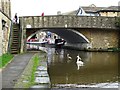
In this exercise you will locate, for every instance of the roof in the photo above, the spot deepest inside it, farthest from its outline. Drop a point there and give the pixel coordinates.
(94, 9)
(111, 8)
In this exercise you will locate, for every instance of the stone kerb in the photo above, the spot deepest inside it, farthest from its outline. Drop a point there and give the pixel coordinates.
(42, 79)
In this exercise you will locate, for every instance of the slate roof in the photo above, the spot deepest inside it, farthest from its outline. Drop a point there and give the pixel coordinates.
(111, 8)
(90, 9)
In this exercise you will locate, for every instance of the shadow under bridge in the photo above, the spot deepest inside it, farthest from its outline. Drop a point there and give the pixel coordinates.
(73, 38)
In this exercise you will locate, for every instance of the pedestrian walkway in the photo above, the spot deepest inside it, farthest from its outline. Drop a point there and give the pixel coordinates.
(13, 70)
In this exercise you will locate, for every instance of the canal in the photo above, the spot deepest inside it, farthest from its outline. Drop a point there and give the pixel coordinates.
(100, 69)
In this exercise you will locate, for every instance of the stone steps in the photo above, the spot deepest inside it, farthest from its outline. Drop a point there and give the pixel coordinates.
(15, 39)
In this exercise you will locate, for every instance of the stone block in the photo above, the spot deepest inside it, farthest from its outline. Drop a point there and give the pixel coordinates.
(42, 80)
(41, 68)
(43, 64)
(41, 74)
(41, 86)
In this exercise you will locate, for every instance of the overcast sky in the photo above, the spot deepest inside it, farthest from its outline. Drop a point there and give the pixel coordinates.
(50, 7)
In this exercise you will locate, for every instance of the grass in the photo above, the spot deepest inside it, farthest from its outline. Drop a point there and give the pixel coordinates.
(35, 65)
(5, 59)
(31, 77)
(28, 74)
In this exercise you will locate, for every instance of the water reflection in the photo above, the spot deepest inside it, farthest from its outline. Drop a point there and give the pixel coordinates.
(98, 67)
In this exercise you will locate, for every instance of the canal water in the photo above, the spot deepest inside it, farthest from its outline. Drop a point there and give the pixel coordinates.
(100, 69)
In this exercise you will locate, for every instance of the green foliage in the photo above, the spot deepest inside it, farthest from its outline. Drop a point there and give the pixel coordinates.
(118, 22)
(4, 59)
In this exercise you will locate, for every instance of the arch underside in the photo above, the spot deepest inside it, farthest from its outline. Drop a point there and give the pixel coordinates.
(71, 36)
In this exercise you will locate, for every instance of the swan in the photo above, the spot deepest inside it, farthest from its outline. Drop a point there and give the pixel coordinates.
(79, 61)
(68, 56)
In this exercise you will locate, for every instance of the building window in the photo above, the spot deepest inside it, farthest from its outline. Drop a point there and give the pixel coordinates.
(3, 24)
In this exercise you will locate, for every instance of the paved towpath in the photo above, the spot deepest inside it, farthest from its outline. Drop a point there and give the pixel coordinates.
(13, 70)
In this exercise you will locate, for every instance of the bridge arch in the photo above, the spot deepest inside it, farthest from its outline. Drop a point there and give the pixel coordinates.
(70, 35)
(98, 32)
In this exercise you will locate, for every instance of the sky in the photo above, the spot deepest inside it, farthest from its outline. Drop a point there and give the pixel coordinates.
(50, 7)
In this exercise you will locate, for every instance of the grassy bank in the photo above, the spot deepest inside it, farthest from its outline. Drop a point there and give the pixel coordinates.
(36, 60)
(5, 59)
(28, 76)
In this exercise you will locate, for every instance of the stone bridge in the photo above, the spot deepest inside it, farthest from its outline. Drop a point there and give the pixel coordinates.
(78, 31)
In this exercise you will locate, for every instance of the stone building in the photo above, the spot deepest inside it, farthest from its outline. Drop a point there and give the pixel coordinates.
(92, 10)
(5, 25)
(5, 6)
(109, 11)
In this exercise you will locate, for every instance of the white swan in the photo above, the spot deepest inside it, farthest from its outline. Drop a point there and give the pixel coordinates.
(68, 56)
(79, 62)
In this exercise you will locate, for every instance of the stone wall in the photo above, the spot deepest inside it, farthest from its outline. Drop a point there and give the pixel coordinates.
(68, 21)
(5, 7)
(102, 38)
(109, 14)
(5, 25)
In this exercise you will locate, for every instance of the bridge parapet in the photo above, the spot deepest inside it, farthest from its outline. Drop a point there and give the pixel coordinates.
(68, 21)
